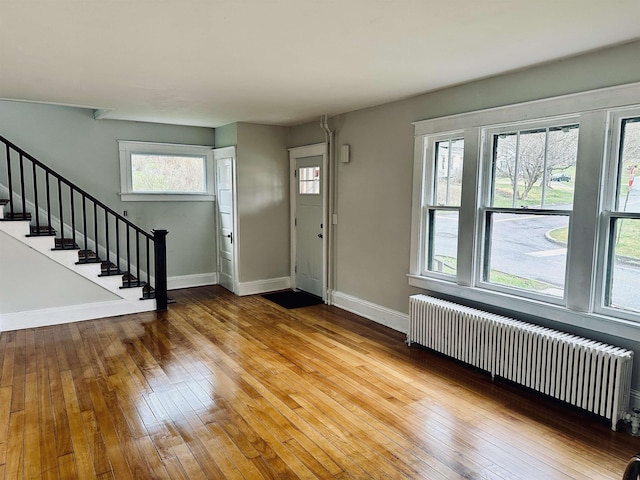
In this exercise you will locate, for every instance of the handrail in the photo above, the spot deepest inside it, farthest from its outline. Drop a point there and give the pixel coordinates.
(8, 143)
(68, 201)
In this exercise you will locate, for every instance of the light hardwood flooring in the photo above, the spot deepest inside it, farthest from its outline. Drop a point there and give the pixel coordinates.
(227, 387)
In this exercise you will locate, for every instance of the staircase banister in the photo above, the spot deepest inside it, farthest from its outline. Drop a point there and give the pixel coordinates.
(75, 187)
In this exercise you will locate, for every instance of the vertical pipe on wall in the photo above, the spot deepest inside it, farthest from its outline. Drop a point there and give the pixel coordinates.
(324, 124)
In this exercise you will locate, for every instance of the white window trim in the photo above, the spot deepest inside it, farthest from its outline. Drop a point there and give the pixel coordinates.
(127, 147)
(615, 118)
(485, 196)
(428, 201)
(583, 270)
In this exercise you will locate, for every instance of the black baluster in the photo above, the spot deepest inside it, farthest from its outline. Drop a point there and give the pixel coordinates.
(48, 202)
(61, 211)
(148, 266)
(106, 235)
(35, 196)
(24, 196)
(128, 259)
(95, 228)
(10, 181)
(138, 256)
(117, 243)
(84, 225)
(73, 217)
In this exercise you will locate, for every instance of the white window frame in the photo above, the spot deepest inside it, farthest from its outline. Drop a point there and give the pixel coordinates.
(428, 202)
(486, 209)
(128, 147)
(582, 306)
(609, 211)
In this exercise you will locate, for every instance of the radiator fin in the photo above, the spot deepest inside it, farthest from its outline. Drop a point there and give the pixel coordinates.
(588, 374)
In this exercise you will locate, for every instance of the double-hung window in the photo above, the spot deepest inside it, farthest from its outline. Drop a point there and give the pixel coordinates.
(165, 172)
(623, 218)
(507, 230)
(443, 158)
(528, 206)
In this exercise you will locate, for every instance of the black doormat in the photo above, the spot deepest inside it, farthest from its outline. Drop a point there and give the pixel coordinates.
(290, 299)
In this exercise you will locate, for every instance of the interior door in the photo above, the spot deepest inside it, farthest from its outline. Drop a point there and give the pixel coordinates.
(309, 273)
(224, 159)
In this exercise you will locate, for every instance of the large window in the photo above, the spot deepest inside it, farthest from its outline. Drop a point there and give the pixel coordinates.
(443, 156)
(623, 271)
(532, 172)
(544, 218)
(165, 172)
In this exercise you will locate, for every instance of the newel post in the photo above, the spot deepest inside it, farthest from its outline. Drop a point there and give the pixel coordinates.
(160, 255)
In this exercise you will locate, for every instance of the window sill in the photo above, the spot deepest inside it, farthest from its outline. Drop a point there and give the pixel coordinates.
(608, 325)
(166, 197)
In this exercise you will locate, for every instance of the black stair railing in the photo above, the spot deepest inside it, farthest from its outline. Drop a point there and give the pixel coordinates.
(73, 216)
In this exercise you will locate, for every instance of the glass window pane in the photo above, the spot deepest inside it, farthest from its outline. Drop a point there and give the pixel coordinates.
(531, 161)
(444, 251)
(628, 185)
(504, 170)
(167, 173)
(562, 154)
(625, 271)
(535, 168)
(448, 184)
(528, 252)
(309, 180)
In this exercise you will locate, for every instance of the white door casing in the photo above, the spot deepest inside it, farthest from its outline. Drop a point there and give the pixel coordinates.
(309, 220)
(226, 217)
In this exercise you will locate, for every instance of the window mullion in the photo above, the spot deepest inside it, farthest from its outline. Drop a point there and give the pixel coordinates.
(470, 202)
(449, 162)
(584, 258)
(544, 169)
(516, 172)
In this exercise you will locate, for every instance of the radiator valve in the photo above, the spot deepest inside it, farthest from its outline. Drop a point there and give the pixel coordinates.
(633, 419)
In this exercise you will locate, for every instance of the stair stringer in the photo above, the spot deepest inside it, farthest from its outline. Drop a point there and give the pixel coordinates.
(129, 302)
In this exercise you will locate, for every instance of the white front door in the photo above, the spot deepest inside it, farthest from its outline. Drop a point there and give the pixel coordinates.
(309, 224)
(224, 159)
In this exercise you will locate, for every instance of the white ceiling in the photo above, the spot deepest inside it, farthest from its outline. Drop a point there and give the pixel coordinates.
(214, 62)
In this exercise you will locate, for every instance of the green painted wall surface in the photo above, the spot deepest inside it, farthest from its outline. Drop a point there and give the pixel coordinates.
(263, 202)
(227, 135)
(56, 286)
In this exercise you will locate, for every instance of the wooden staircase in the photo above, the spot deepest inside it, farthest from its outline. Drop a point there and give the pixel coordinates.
(50, 214)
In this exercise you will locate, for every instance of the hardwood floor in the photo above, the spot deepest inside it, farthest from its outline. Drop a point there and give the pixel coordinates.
(227, 387)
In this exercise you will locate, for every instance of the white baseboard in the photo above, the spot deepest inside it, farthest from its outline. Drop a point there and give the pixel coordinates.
(379, 314)
(72, 313)
(188, 281)
(264, 286)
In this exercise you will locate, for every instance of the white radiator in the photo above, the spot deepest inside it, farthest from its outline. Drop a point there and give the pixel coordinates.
(589, 374)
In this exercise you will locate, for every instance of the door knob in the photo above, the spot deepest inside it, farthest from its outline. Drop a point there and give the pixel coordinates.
(320, 235)
(230, 237)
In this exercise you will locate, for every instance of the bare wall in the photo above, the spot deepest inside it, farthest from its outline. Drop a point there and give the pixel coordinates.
(43, 283)
(263, 202)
